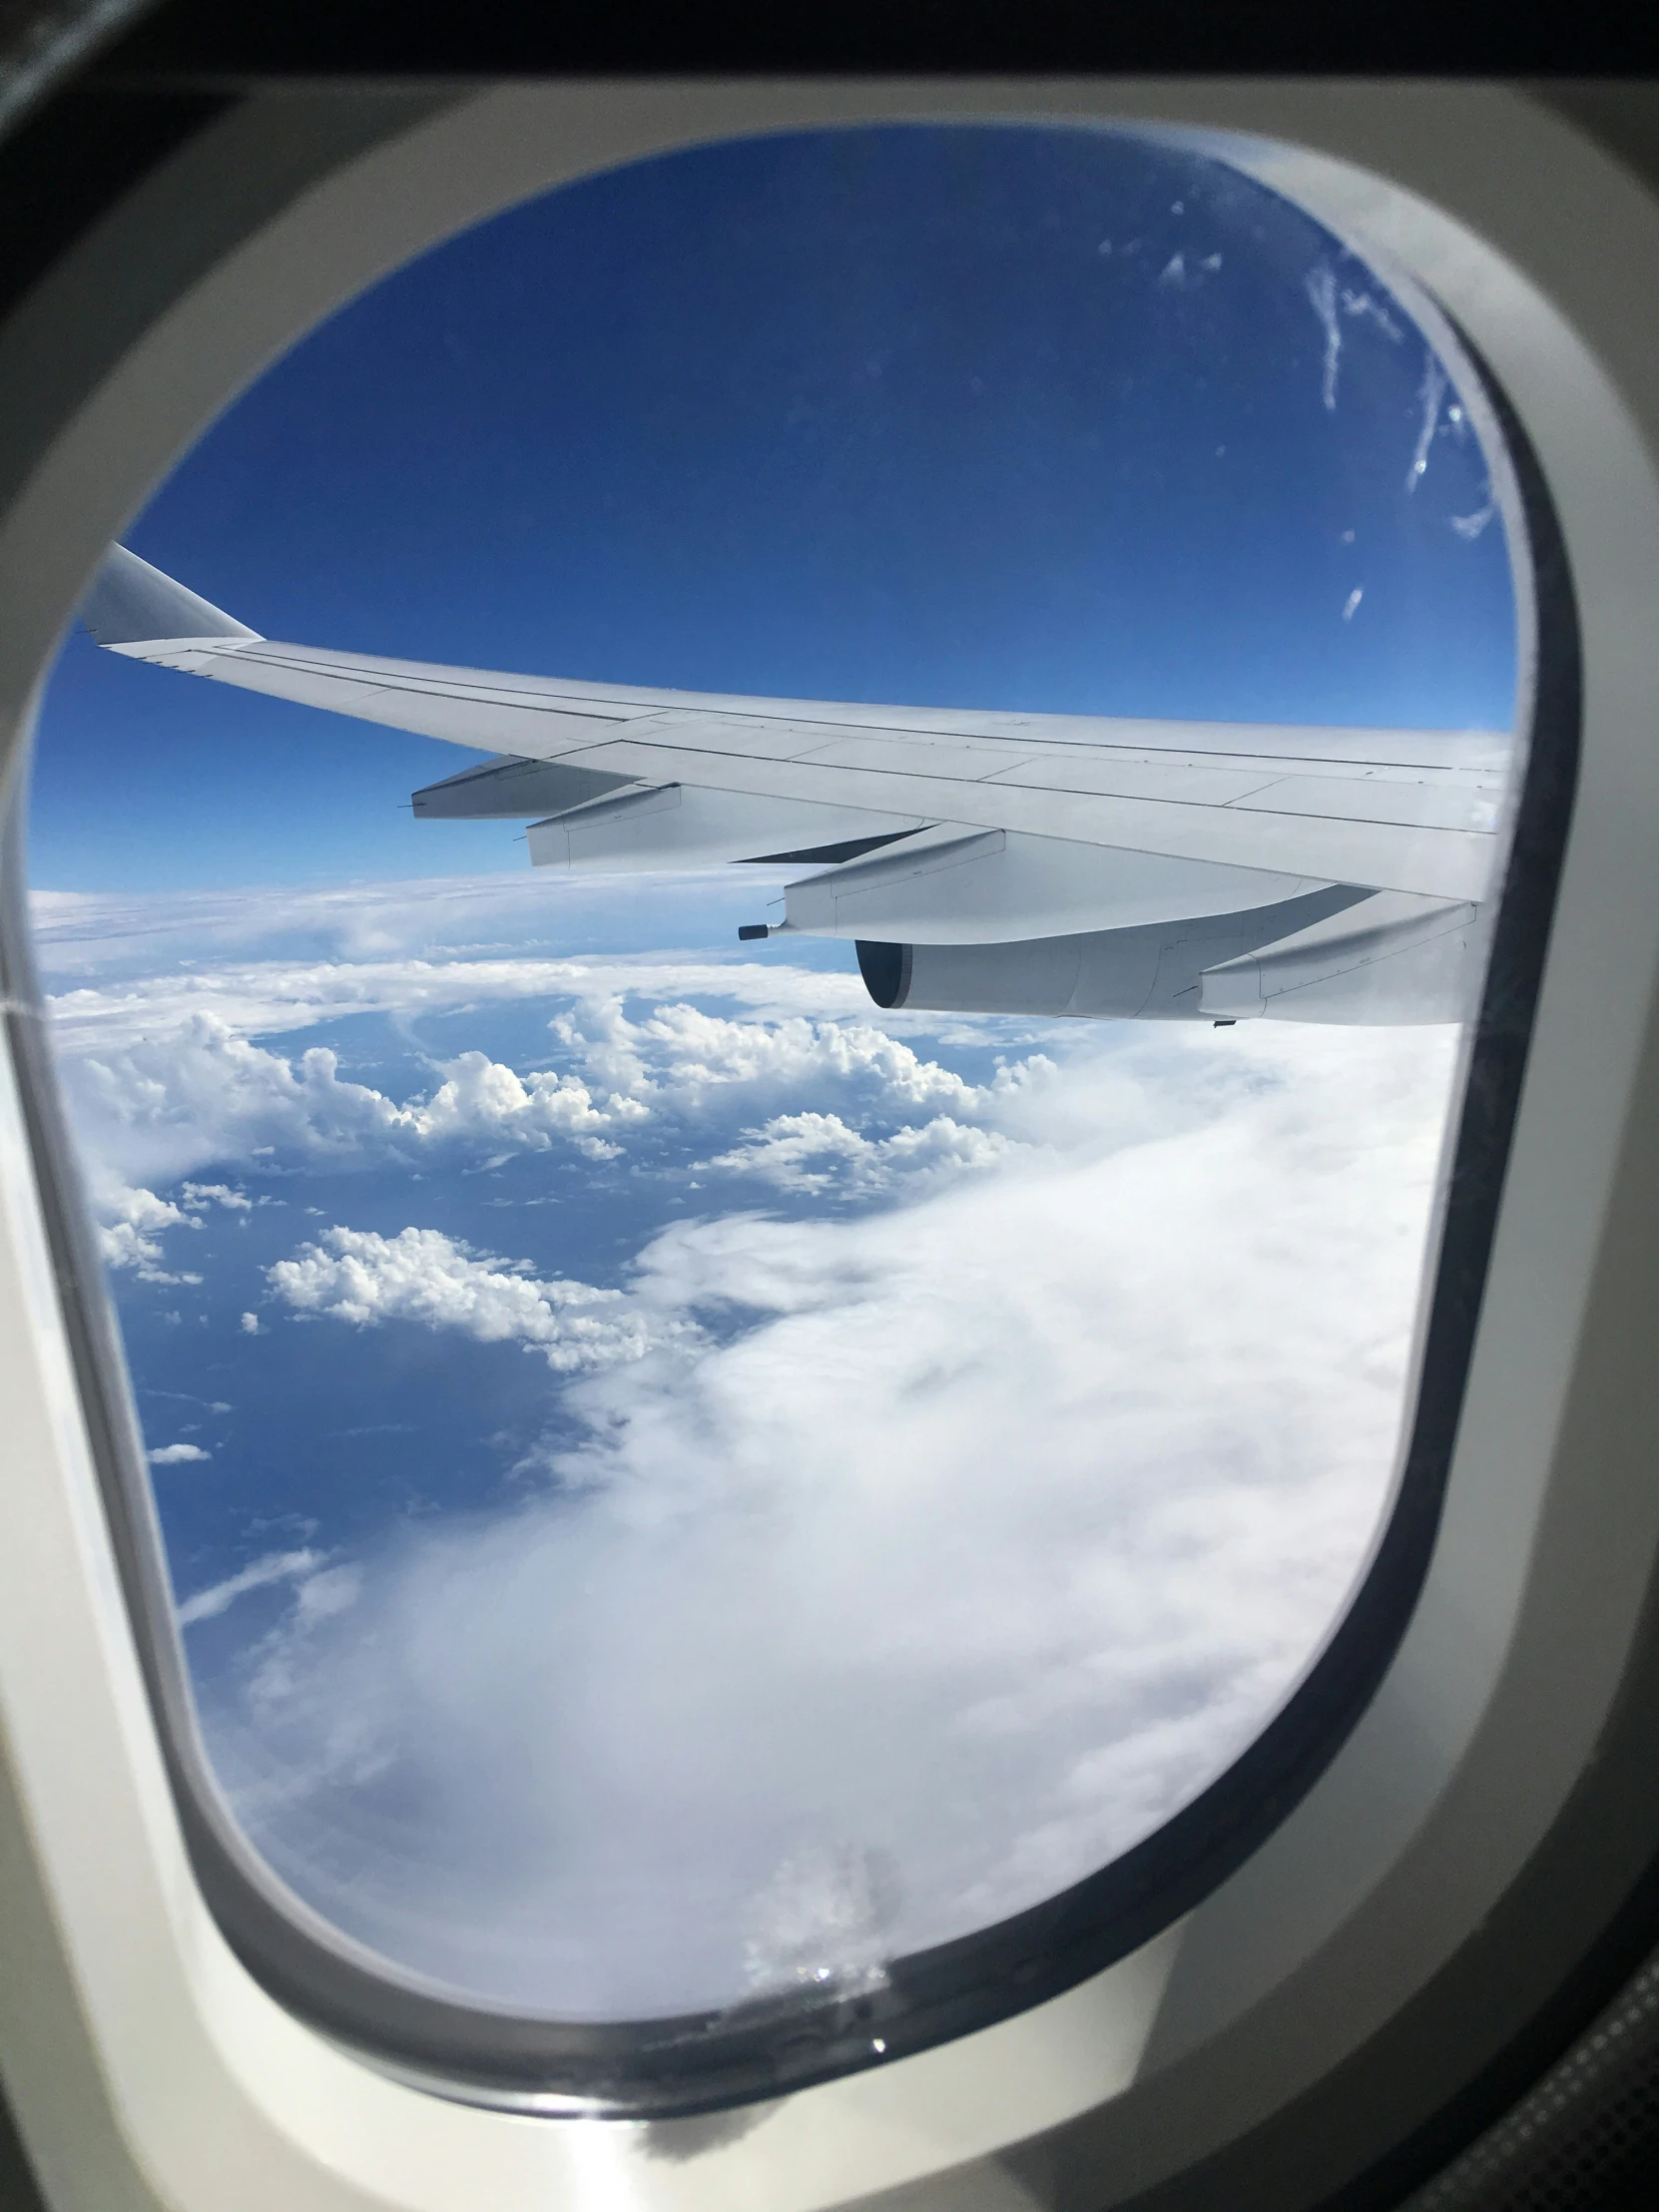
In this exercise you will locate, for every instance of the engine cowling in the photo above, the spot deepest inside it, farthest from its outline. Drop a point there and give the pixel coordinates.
(1153, 972)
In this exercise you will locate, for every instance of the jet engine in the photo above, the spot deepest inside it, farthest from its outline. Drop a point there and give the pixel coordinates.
(1342, 954)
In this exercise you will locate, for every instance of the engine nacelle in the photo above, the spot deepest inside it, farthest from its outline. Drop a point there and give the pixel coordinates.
(1340, 955)
(1393, 957)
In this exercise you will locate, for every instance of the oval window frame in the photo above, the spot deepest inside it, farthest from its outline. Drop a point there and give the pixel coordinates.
(1184, 102)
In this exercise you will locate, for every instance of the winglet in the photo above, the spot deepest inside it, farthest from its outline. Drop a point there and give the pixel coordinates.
(131, 603)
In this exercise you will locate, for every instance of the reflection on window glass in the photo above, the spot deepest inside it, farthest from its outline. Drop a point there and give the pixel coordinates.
(690, 1467)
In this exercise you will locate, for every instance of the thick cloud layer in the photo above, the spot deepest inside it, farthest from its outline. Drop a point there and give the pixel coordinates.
(910, 1532)
(992, 1531)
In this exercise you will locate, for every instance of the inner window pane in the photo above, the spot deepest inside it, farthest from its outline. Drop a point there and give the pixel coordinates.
(693, 1468)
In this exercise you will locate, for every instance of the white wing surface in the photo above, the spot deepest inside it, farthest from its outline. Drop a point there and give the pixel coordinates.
(939, 825)
(1393, 809)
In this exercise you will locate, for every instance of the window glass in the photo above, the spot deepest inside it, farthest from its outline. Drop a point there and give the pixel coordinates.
(690, 1470)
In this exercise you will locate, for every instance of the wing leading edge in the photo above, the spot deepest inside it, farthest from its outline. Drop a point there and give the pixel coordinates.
(953, 830)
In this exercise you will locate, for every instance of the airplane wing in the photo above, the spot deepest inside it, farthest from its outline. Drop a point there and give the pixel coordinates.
(938, 825)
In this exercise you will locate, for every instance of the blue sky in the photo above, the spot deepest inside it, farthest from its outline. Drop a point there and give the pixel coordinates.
(987, 417)
(663, 1464)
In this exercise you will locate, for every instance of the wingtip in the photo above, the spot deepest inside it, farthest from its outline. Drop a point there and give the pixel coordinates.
(132, 603)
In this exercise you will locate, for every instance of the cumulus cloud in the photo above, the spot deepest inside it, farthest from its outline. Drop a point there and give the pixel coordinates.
(480, 1098)
(992, 1526)
(178, 1455)
(162, 1087)
(130, 1223)
(814, 1152)
(682, 1052)
(161, 1107)
(420, 1275)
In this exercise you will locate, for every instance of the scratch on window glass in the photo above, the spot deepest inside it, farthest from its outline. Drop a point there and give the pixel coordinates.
(1431, 392)
(1322, 293)
(1362, 304)
(1470, 526)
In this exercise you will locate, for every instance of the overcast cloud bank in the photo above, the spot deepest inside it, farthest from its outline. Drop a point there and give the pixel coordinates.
(903, 1566)
(913, 1529)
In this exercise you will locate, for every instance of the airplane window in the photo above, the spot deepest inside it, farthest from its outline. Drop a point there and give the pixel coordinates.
(777, 1320)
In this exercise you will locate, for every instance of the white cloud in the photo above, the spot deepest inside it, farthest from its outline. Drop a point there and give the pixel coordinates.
(886, 1571)
(482, 1099)
(200, 1195)
(993, 1528)
(682, 1053)
(130, 1223)
(272, 996)
(276, 1566)
(178, 1455)
(164, 1083)
(422, 1276)
(428, 918)
(817, 1152)
(161, 1107)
